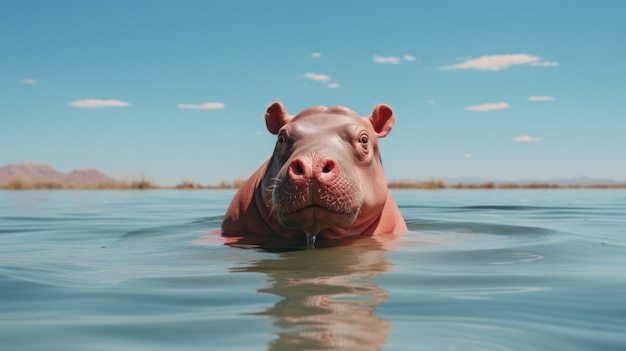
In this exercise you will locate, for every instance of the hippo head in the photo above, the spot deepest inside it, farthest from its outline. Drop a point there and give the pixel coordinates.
(325, 174)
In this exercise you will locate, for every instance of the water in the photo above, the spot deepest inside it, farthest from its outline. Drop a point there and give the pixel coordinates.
(479, 270)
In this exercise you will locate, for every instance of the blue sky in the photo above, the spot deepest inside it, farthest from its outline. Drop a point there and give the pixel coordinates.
(177, 90)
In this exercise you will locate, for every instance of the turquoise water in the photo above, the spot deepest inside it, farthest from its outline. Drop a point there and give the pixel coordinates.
(479, 270)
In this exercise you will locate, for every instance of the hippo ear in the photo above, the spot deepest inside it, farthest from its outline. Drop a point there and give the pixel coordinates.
(276, 117)
(382, 120)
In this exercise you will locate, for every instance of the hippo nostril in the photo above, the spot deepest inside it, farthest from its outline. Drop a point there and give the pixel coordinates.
(328, 167)
(298, 168)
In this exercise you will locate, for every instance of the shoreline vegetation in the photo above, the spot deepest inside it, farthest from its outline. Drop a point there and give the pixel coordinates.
(140, 184)
(435, 184)
(432, 184)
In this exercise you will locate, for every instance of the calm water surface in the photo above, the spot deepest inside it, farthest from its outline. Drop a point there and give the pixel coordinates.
(479, 270)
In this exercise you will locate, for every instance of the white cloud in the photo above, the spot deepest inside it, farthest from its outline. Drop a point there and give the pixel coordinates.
(28, 81)
(546, 64)
(467, 155)
(318, 77)
(488, 107)
(408, 58)
(204, 106)
(95, 103)
(322, 78)
(526, 139)
(498, 62)
(316, 54)
(390, 59)
(540, 98)
(430, 102)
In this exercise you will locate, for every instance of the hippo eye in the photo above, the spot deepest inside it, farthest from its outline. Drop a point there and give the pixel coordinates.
(363, 139)
(282, 138)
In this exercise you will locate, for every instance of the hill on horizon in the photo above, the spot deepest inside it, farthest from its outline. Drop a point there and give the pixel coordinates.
(40, 173)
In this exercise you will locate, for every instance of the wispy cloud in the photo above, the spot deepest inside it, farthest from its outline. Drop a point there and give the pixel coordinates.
(393, 59)
(546, 64)
(467, 155)
(316, 54)
(499, 62)
(204, 106)
(526, 139)
(430, 102)
(95, 103)
(322, 78)
(488, 107)
(317, 77)
(386, 59)
(540, 98)
(28, 81)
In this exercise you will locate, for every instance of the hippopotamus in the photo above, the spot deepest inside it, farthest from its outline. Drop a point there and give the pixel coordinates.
(325, 178)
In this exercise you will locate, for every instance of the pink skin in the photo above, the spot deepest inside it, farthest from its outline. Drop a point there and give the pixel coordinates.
(324, 178)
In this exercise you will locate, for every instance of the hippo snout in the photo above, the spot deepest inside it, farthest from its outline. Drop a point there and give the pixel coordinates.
(313, 192)
(313, 168)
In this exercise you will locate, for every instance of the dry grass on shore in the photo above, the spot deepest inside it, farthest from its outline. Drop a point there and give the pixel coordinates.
(427, 184)
(17, 184)
(140, 184)
(432, 184)
(440, 184)
(236, 184)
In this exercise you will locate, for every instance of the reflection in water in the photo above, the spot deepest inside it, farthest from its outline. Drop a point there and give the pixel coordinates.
(328, 300)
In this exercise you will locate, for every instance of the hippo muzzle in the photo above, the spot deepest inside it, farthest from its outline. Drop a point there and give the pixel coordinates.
(314, 191)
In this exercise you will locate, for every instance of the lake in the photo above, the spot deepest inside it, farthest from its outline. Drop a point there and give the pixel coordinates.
(478, 270)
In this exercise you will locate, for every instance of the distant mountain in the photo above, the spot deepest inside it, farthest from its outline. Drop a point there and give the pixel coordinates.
(34, 173)
(87, 176)
(30, 173)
